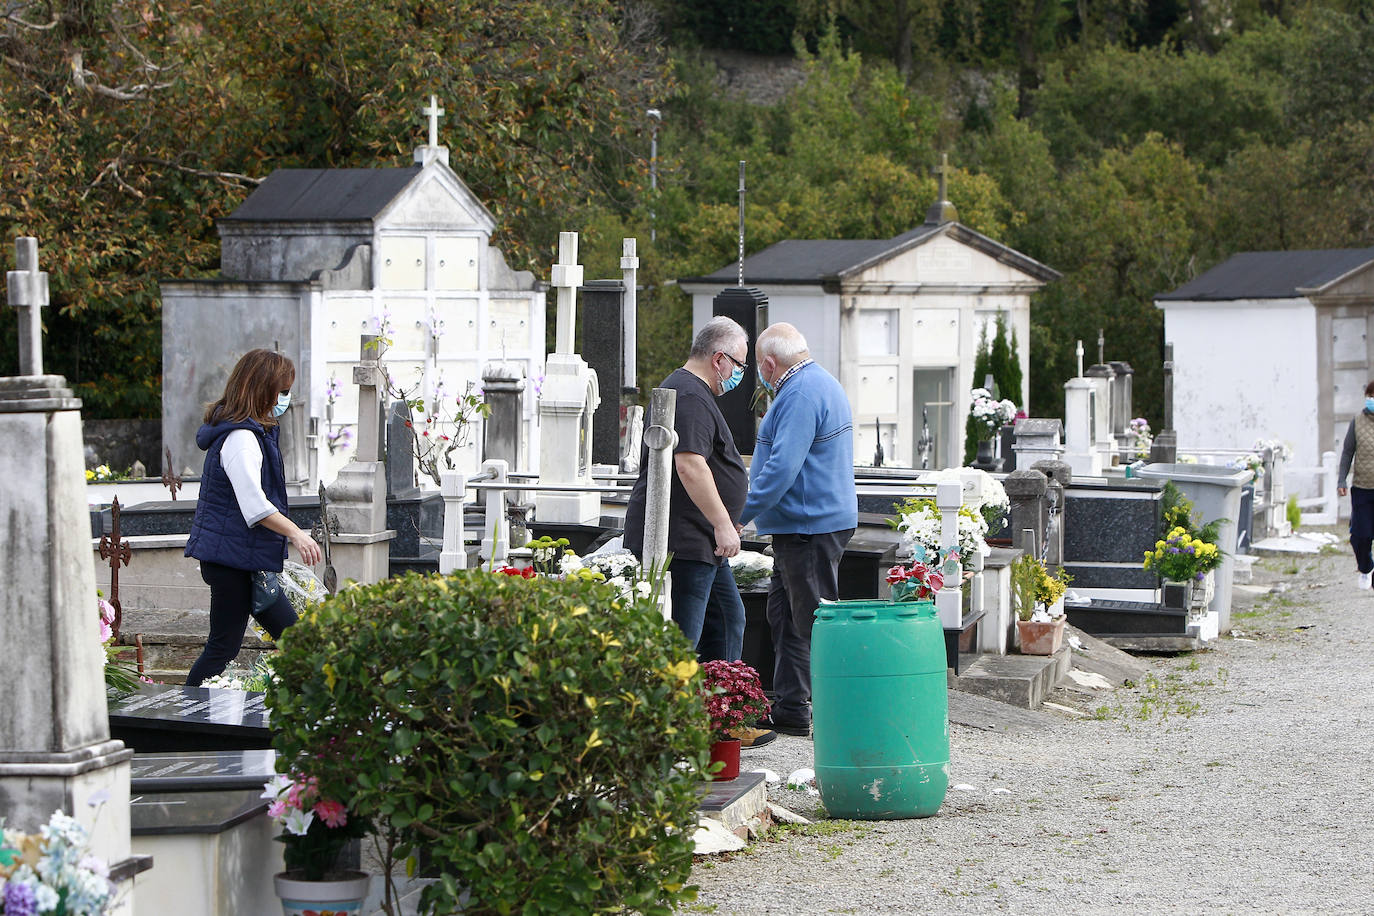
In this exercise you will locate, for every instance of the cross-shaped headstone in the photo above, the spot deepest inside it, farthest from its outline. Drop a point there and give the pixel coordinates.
(116, 550)
(567, 277)
(1101, 344)
(369, 377)
(170, 478)
(1079, 351)
(434, 113)
(28, 292)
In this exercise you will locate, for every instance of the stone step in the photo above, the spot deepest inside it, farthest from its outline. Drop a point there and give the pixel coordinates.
(173, 639)
(1018, 680)
(735, 806)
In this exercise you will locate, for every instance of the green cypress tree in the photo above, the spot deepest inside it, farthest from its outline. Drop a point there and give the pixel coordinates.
(982, 368)
(1006, 363)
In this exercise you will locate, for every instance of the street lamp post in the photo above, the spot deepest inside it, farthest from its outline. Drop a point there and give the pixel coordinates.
(656, 117)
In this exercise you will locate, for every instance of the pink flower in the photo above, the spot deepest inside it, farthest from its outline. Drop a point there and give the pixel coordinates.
(107, 611)
(105, 630)
(276, 809)
(331, 812)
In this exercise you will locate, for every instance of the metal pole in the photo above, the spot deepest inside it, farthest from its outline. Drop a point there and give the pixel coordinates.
(661, 438)
(657, 117)
(741, 223)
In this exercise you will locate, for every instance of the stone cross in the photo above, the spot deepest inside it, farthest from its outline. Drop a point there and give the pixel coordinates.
(116, 550)
(942, 170)
(661, 438)
(1079, 351)
(1101, 343)
(629, 267)
(28, 292)
(567, 277)
(1168, 386)
(434, 113)
(368, 376)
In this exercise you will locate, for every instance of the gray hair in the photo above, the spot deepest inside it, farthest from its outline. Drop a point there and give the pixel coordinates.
(781, 341)
(720, 333)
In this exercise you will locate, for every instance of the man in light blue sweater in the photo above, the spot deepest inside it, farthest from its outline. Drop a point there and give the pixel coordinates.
(801, 492)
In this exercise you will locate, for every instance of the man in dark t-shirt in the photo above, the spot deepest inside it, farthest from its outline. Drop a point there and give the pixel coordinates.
(708, 491)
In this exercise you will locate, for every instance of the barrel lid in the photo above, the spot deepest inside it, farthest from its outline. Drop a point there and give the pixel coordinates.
(873, 609)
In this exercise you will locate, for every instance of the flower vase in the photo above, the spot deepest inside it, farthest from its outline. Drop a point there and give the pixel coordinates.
(343, 896)
(1040, 637)
(726, 752)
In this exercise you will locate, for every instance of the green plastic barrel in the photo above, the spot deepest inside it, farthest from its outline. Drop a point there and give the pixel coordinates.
(879, 709)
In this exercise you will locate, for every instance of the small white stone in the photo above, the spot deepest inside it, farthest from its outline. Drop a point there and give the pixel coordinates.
(782, 815)
(769, 776)
(964, 787)
(1001, 791)
(802, 778)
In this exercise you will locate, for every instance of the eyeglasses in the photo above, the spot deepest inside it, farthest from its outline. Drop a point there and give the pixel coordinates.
(733, 360)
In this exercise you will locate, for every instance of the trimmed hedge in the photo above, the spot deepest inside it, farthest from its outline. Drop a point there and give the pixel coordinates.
(526, 734)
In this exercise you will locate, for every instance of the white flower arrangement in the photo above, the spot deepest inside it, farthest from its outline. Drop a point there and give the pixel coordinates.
(52, 872)
(750, 568)
(1250, 462)
(618, 568)
(989, 411)
(920, 524)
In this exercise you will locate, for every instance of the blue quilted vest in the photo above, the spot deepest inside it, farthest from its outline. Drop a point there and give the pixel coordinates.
(218, 532)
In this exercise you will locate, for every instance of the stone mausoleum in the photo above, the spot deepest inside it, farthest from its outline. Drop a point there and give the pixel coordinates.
(897, 321)
(313, 259)
(1272, 344)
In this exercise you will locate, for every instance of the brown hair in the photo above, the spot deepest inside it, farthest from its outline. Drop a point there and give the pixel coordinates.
(1369, 390)
(251, 391)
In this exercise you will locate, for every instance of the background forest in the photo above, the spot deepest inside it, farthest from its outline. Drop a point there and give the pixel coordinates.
(1130, 144)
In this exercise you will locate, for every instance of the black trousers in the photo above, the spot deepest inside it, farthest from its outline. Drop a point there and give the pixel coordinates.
(231, 601)
(805, 572)
(1362, 527)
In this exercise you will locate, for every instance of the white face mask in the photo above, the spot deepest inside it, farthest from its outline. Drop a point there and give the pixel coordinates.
(283, 402)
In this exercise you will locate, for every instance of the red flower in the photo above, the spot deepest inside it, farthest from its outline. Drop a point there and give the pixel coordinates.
(528, 572)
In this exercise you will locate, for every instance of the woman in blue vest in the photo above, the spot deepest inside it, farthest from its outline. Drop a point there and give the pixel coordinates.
(240, 525)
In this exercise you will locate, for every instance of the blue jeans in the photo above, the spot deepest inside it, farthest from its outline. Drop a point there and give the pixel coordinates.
(708, 609)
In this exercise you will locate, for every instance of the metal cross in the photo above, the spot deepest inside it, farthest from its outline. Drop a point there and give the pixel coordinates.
(170, 479)
(28, 292)
(433, 112)
(943, 171)
(116, 551)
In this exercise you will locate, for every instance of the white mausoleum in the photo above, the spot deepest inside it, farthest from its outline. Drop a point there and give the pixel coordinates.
(315, 258)
(1272, 345)
(897, 321)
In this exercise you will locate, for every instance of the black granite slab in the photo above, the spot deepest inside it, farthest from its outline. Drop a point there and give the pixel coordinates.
(720, 794)
(157, 717)
(201, 771)
(166, 813)
(1127, 618)
(1111, 576)
(1103, 529)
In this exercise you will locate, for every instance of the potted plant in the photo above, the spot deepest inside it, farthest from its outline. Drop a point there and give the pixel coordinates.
(734, 696)
(315, 831)
(1185, 562)
(1039, 599)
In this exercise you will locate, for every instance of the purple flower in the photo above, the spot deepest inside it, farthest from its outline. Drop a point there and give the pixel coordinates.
(20, 899)
(1199, 576)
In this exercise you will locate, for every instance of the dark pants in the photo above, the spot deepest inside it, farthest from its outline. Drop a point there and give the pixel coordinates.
(708, 609)
(231, 599)
(1362, 527)
(805, 572)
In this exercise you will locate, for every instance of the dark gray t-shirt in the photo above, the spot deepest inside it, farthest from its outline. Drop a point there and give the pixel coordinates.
(701, 429)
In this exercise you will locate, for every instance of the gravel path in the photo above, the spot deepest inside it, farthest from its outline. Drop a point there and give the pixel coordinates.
(1231, 780)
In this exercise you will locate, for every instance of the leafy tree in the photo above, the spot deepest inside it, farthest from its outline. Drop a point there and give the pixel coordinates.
(1005, 363)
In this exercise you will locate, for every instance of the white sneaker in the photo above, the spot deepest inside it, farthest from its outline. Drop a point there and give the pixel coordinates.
(1365, 580)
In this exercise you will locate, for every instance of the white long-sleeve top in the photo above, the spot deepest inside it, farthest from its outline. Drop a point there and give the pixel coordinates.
(241, 458)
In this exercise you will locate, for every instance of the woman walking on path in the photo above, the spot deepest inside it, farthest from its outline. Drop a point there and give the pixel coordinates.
(1358, 454)
(240, 526)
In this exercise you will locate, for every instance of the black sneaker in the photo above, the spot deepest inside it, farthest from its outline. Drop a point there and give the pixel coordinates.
(784, 727)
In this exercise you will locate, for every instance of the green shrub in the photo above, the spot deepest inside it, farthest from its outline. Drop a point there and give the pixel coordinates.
(1293, 513)
(524, 733)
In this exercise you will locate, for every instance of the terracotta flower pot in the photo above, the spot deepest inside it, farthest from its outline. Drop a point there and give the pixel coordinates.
(726, 752)
(1040, 638)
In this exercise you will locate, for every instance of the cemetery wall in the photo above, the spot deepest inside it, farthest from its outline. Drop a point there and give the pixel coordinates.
(119, 443)
(1248, 370)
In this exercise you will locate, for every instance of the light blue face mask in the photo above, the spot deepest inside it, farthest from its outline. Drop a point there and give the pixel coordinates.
(766, 387)
(1369, 404)
(283, 402)
(731, 383)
